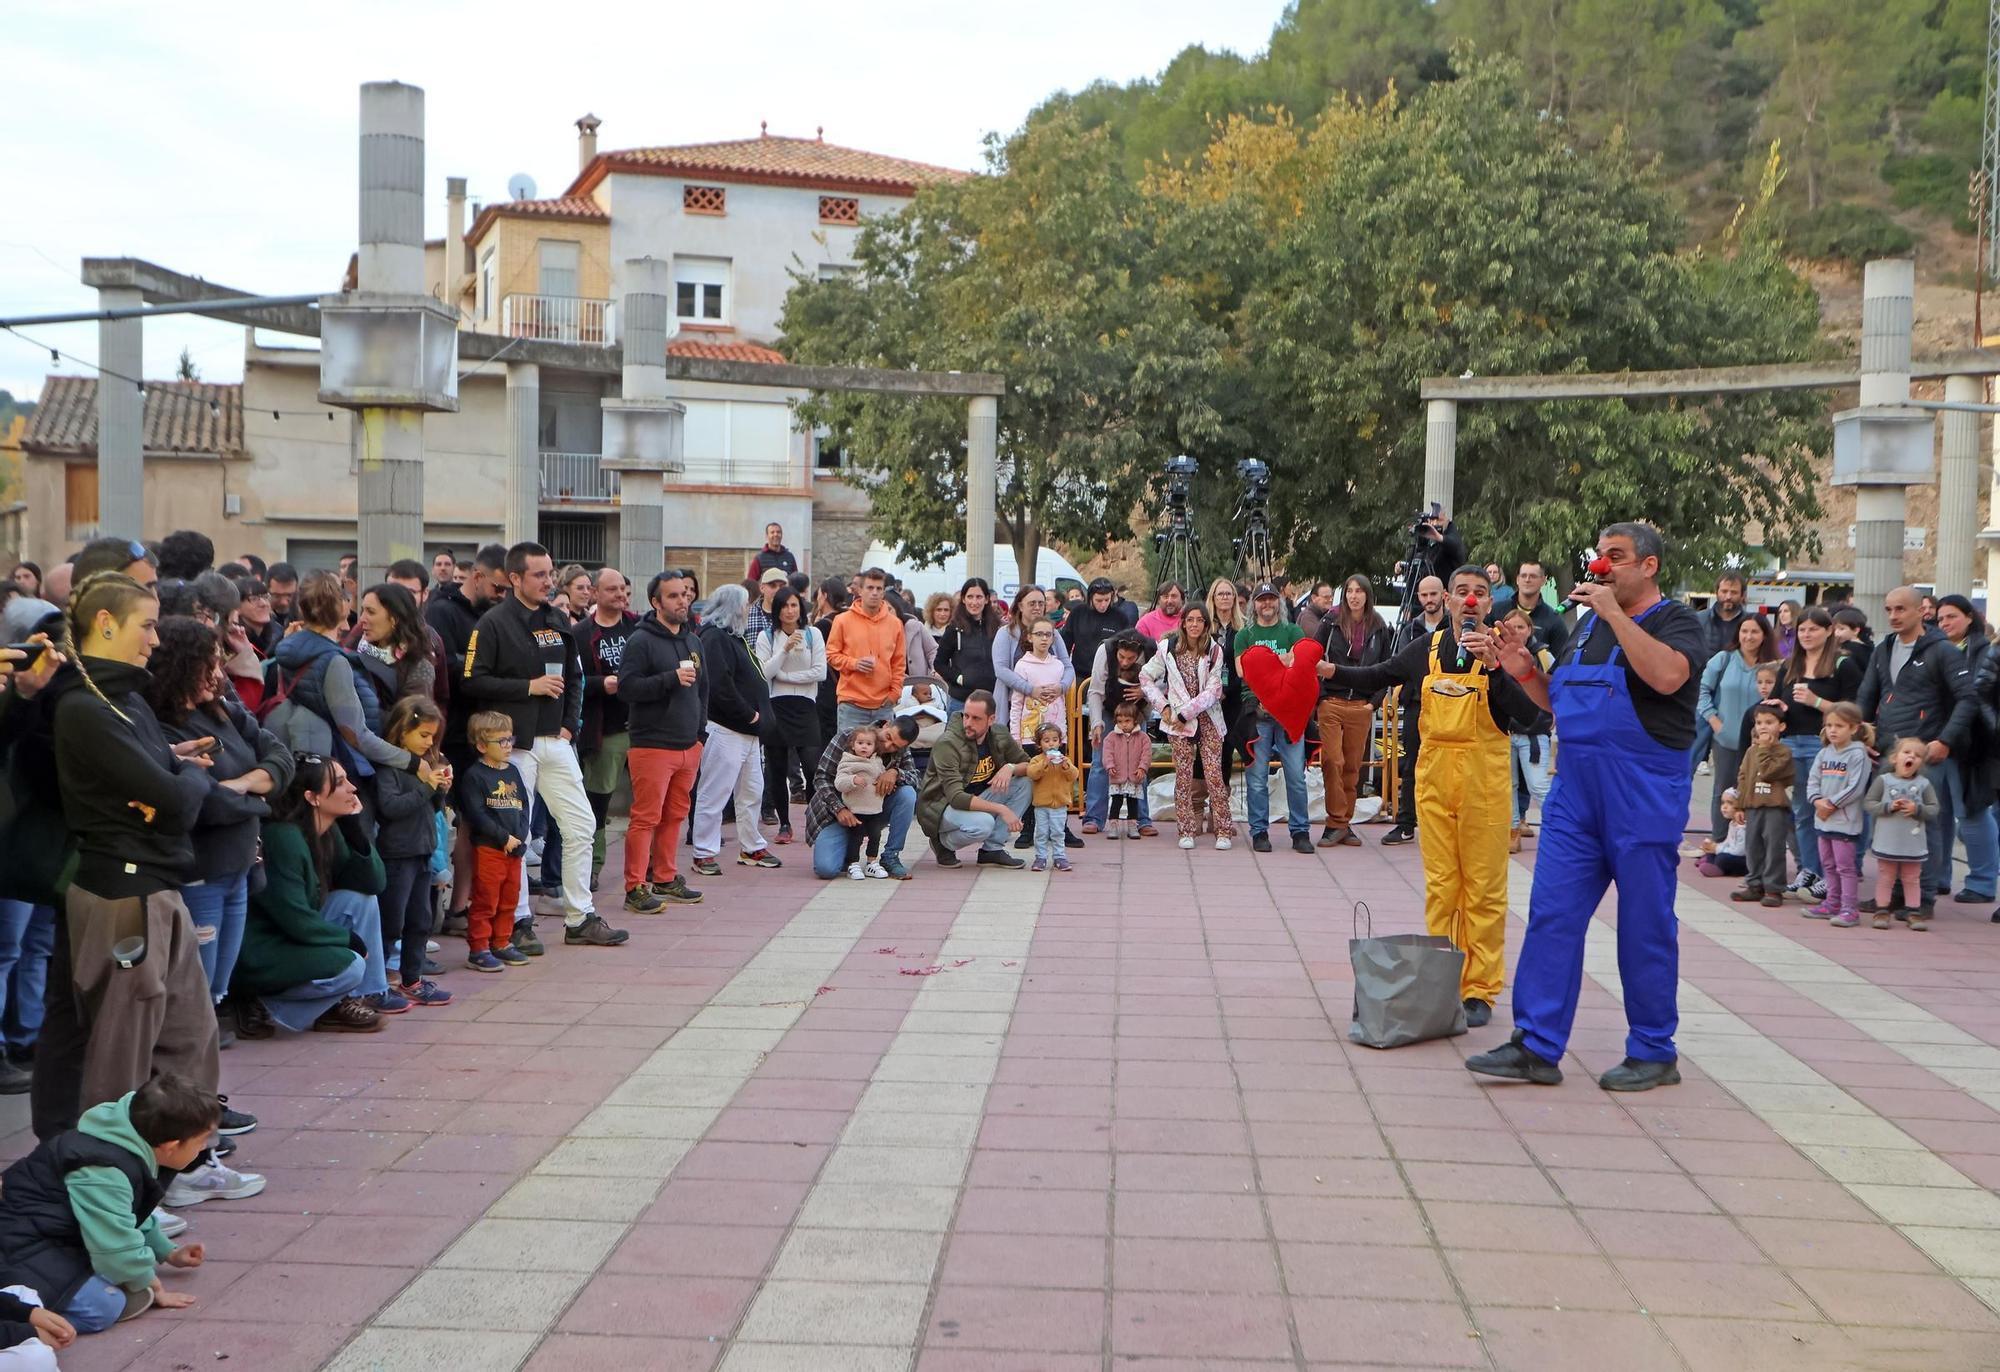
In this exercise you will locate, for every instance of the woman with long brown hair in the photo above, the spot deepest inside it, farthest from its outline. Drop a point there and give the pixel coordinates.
(1355, 635)
(1184, 683)
(1728, 690)
(1817, 673)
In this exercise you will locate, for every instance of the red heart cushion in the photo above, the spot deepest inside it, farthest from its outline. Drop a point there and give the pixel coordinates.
(1288, 694)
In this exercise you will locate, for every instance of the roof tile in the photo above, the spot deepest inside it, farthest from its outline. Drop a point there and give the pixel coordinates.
(724, 352)
(796, 161)
(179, 416)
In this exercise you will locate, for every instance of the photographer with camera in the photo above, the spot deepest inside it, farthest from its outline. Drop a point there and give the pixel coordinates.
(1435, 547)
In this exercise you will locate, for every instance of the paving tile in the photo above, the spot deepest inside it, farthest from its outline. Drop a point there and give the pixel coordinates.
(1045, 1260)
(1729, 1345)
(995, 1211)
(1735, 1289)
(1336, 1330)
(1600, 1188)
(269, 1346)
(1163, 1214)
(1897, 1299)
(310, 1293)
(1546, 1281)
(1220, 1325)
(1194, 1264)
(609, 1353)
(924, 1208)
(684, 1308)
(706, 1201)
(521, 1301)
(853, 1255)
(1016, 1320)
(425, 1350)
(504, 1245)
(1643, 1234)
(821, 1313)
(1559, 1340)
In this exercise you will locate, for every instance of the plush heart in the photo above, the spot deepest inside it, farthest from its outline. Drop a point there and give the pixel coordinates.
(1288, 694)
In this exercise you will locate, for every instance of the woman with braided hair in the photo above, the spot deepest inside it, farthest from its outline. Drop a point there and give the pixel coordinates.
(130, 800)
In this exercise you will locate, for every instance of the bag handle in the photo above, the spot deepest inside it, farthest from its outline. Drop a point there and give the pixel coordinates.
(1361, 910)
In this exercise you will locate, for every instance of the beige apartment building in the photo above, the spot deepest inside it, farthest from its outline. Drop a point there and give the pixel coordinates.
(262, 467)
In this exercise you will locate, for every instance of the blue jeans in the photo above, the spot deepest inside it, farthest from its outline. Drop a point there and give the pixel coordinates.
(830, 847)
(1704, 740)
(1982, 842)
(1049, 822)
(1804, 822)
(1097, 796)
(27, 937)
(361, 915)
(218, 908)
(963, 828)
(95, 1307)
(1531, 773)
(1292, 757)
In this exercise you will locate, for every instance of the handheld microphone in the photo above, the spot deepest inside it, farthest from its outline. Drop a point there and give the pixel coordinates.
(1467, 624)
(1599, 568)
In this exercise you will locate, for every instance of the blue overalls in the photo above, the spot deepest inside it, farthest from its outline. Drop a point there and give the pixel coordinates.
(1614, 813)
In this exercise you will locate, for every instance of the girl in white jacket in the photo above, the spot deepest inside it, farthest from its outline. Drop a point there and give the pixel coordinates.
(1184, 682)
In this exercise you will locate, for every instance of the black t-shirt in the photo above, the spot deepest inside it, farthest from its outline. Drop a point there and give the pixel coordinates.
(1668, 718)
(980, 774)
(1804, 721)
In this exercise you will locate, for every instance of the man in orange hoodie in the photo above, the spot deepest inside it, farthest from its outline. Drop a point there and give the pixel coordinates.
(866, 648)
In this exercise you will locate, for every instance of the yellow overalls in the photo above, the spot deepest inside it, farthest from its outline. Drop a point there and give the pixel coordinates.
(1464, 774)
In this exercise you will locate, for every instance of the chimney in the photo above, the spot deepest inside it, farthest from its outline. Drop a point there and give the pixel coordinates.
(454, 240)
(586, 141)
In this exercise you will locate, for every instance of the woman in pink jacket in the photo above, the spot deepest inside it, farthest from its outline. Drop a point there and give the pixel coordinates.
(1184, 682)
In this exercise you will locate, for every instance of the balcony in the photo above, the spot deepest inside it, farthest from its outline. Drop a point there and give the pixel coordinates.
(577, 479)
(732, 471)
(559, 319)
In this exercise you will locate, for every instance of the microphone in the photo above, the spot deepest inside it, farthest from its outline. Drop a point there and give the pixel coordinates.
(1467, 624)
(1599, 568)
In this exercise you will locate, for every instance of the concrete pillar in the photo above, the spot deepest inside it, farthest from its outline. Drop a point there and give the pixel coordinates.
(1888, 290)
(1440, 453)
(1958, 490)
(643, 428)
(982, 479)
(121, 425)
(389, 443)
(521, 518)
(389, 461)
(454, 240)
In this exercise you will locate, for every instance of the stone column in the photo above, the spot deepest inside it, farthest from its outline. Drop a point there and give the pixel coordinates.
(1958, 486)
(389, 443)
(982, 478)
(643, 429)
(121, 423)
(1440, 453)
(389, 464)
(521, 515)
(1881, 510)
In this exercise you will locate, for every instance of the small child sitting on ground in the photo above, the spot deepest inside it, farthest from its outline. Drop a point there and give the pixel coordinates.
(1054, 777)
(1726, 859)
(855, 780)
(68, 1211)
(1903, 803)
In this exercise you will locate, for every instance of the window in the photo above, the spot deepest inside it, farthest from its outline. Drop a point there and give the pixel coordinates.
(699, 284)
(839, 209)
(79, 501)
(575, 538)
(703, 200)
(836, 271)
(559, 265)
(712, 566)
(487, 283)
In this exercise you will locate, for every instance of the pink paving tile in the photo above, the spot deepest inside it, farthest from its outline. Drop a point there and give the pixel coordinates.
(689, 1308)
(1508, 1228)
(1016, 1320)
(1726, 1345)
(724, 1201)
(404, 1194)
(118, 1346)
(1454, 1145)
(1167, 1214)
(1017, 1071)
(1736, 1289)
(974, 1260)
(1611, 1152)
(1403, 1332)
(610, 1353)
(1650, 1234)
(278, 1346)
(410, 1241)
(311, 1293)
(1867, 1247)
(1184, 1172)
(935, 1358)
(1027, 1168)
(1017, 1098)
(1788, 1197)
(1605, 1189)
(783, 1094)
(1045, 1133)
(1311, 1219)
(486, 1154)
(1559, 1341)
(1478, 1181)
(544, 1088)
(1220, 1325)
(1898, 1299)
(753, 1161)
(1364, 1271)
(245, 1235)
(987, 1210)
(1193, 1264)
(1317, 1140)
(696, 1250)
(1548, 1281)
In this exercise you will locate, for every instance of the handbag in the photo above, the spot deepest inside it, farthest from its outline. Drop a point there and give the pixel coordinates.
(1406, 986)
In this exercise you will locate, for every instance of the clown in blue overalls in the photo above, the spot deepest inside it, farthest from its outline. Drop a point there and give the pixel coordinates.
(1614, 814)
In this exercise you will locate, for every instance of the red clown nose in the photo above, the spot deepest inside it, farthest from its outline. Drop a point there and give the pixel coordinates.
(1600, 566)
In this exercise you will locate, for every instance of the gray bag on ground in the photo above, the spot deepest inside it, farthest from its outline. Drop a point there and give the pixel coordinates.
(1405, 986)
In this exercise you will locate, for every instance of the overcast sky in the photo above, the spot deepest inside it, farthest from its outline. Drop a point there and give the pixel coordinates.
(220, 140)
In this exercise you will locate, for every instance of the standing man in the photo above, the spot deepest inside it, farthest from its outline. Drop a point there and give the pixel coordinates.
(1529, 579)
(976, 788)
(600, 642)
(1919, 684)
(665, 696)
(1165, 616)
(523, 663)
(774, 553)
(444, 568)
(1464, 780)
(1318, 606)
(828, 819)
(866, 646)
(1430, 618)
(284, 587)
(1718, 623)
(1092, 622)
(452, 614)
(760, 609)
(1271, 630)
(1623, 694)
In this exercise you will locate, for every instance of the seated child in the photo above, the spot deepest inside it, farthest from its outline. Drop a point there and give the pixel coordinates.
(1054, 777)
(855, 780)
(1726, 858)
(76, 1215)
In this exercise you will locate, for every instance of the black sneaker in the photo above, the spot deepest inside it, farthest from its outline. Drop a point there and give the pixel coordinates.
(1971, 898)
(676, 892)
(1302, 843)
(14, 1078)
(640, 900)
(234, 1121)
(456, 925)
(943, 856)
(1026, 839)
(595, 932)
(1478, 1014)
(1261, 842)
(1402, 833)
(998, 857)
(525, 940)
(1515, 1061)
(1634, 1075)
(1072, 839)
(1329, 837)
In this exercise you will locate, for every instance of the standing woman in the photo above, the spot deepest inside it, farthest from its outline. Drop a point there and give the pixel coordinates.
(249, 765)
(1816, 675)
(1184, 683)
(732, 758)
(394, 647)
(1353, 636)
(131, 801)
(1031, 603)
(937, 613)
(1728, 690)
(1968, 811)
(28, 577)
(965, 648)
(793, 655)
(1787, 629)
(1225, 613)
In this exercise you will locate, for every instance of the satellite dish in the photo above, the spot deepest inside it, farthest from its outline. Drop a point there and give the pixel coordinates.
(521, 186)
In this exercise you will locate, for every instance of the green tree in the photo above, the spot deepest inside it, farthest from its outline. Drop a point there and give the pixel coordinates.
(185, 368)
(1471, 234)
(1048, 271)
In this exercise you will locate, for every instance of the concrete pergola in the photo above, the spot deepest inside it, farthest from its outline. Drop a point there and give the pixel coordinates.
(1884, 375)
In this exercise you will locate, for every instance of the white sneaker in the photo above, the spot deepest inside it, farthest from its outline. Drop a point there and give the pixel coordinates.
(171, 1226)
(876, 870)
(856, 872)
(430, 945)
(213, 1182)
(1111, 828)
(1223, 845)
(1187, 843)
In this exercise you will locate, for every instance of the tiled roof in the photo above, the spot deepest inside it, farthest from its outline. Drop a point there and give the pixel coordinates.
(180, 417)
(571, 208)
(809, 162)
(723, 352)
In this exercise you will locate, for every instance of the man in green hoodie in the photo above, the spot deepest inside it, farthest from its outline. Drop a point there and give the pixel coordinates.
(77, 1219)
